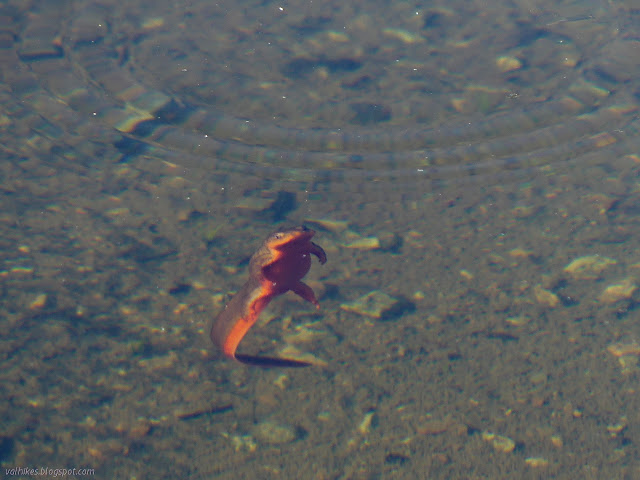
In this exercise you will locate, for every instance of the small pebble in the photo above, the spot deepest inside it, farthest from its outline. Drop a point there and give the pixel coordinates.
(273, 433)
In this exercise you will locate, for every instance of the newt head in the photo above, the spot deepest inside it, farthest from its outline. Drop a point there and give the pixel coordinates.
(288, 238)
(288, 245)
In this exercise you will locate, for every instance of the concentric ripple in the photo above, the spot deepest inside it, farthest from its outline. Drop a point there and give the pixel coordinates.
(328, 93)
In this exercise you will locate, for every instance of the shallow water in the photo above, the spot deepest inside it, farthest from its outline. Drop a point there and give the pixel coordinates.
(454, 159)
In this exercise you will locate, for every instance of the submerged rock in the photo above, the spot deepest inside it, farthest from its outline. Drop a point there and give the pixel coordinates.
(588, 267)
(274, 433)
(619, 291)
(374, 304)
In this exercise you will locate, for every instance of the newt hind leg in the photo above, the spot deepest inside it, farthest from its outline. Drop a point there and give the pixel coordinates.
(305, 291)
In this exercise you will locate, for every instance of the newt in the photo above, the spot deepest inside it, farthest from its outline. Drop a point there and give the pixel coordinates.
(278, 266)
